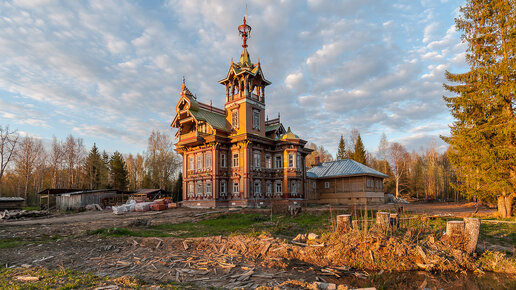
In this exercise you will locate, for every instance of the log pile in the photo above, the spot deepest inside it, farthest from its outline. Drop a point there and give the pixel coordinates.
(18, 214)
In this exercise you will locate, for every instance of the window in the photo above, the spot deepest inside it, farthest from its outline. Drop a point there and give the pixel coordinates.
(269, 188)
(256, 159)
(191, 163)
(236, 160)
(326, 184)
(290, 160)
(199, 188)
(236, 188)
(278, 162)
(191, 188)
(199, 161)
(314, 185)
(298, 162)
(257, 188)
(268, 161)
(278, 187)
(223, 160)
(207, 190)
(293, 186)
(256, 119)
(368, 183)
(234, 118)
(207, 159)
(223, 188)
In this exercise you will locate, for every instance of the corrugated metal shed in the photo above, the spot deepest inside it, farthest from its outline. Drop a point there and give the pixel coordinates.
(346, 167)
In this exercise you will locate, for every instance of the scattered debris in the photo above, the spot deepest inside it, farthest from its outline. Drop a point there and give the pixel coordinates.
(18, 214)
(93, 206)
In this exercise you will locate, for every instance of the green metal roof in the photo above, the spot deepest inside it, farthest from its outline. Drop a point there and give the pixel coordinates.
(273, 127)
(216, 120)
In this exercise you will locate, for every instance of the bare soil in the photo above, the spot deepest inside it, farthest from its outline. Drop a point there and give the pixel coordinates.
(228, 262)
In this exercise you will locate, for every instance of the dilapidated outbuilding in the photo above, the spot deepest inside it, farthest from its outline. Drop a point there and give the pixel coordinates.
(11, 203)
(80, 199)
(345, 182)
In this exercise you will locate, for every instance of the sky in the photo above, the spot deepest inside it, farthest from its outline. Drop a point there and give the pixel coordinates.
(110, 72)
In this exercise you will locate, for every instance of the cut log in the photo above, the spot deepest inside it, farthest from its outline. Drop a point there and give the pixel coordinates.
(472, 230)
(343, 223)
(383, 219)
(455, 229)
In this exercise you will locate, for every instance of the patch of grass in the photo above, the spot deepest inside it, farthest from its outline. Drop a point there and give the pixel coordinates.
(499, 234)
(236, 223)
(29, 208)
(16, 242)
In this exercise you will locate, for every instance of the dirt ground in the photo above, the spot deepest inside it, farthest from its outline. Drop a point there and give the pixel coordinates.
(205, 262)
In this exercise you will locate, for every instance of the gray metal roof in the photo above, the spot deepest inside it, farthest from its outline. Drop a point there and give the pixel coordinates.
(346, 167)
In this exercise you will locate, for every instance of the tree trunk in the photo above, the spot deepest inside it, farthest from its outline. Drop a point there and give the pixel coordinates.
(397, 187)
(505, 206)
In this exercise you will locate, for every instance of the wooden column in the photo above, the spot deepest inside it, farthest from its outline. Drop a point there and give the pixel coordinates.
(343, 223)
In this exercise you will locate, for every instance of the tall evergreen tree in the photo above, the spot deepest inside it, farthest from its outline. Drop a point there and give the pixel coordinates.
(360, 153)
(93, 168)
(104, 171)
(483, 137)
(118, 171)
(341, 153)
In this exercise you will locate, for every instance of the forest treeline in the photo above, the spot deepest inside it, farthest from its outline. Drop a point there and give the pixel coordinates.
(423, 175)
(28, 166)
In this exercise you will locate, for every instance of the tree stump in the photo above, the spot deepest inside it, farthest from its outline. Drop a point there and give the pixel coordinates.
(394, 219)
(471, 230)
(343, 223)
(382, 219)
(455, 232)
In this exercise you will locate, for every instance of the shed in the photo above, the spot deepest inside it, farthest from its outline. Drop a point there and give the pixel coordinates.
(345, 182)
(80, 199)
(11, 203)
(47, 197)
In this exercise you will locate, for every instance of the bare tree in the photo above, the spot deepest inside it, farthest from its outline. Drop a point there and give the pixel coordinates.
(130, 162)
(8, 141)
(74, 152)
(161, 161)
(56, 162)
(27, 158)
(398, 159)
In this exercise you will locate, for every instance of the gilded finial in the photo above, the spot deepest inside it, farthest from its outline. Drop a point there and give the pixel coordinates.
(183, 86)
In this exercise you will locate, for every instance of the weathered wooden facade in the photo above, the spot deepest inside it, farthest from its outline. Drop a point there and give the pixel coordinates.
(345, 182)
(233, 156)
(11, 203)
(80, 199)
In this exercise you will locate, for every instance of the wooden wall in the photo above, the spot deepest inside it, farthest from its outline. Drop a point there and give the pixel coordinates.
(346, 190)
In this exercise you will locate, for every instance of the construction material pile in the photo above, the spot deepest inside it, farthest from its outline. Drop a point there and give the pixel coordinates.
(141, 206)
(17, 214)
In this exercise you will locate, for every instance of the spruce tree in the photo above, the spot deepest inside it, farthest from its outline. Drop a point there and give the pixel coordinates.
(483, 136)
(118, 171)
(341, 153)
(93, 168)
(360, 153)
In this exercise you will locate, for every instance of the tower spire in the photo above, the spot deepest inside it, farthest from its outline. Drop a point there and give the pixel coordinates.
(245, 32)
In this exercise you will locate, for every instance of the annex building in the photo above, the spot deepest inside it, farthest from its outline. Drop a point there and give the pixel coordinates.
(232, 156)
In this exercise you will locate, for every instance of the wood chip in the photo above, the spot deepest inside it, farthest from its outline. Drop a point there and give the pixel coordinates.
(27, 278)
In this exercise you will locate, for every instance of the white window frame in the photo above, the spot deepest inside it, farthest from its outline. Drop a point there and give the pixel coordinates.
(293, 186)
(268, 187)
(236, 187)
(199, 160)
(207, 159)
(223, 188)
(191, 189)
(236, 160)
(234, 118)
(256, 159)
(256, 119)
(298, 161)
(326, 184)
(257, 188)
(191, 162)
(278, 161)
(291, 160)
(207, 188)
(199, 188)
(268, 161)
(278, 187)
(223, 161)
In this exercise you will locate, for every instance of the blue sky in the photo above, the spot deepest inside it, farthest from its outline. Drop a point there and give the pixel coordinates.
(110, 71)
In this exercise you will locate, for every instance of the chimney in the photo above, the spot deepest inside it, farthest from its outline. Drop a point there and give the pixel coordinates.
(317, 161)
